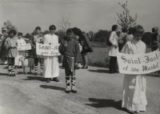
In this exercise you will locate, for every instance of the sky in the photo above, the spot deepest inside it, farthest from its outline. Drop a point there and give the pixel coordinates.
(86, 14)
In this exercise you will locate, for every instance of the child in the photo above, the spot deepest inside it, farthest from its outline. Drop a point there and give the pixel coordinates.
(11, 46)
(19, 60)
(70, 50)
(30, 54)
(38, 38)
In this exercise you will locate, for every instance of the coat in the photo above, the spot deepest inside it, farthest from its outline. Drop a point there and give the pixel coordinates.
(11, 46)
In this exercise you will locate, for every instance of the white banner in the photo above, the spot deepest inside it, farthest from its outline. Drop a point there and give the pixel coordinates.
(24, 47)
(140, 63)
(47, 50)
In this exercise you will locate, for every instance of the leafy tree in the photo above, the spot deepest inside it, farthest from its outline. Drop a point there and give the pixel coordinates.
(125, 19)
(101, 36)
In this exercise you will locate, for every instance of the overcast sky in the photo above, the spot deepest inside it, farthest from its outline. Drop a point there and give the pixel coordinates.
(86, 14)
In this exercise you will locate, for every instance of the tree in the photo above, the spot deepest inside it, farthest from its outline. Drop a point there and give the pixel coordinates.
(90, 35)
(101, 36)
(125, 19)
(65, 24)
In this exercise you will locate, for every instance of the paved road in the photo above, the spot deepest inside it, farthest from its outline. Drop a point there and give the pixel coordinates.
(98, 93)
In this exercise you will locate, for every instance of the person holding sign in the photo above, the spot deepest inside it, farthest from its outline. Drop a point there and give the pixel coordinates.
(134, 86)
(21, 53)
(51, 64)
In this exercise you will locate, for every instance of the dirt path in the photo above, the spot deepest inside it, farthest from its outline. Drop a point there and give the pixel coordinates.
(98, 93)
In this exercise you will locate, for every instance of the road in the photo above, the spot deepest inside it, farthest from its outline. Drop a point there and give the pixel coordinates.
(98, 93)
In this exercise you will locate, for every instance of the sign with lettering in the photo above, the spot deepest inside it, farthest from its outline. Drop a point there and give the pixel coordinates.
(47, 50)
(24, 47)
(139, 63)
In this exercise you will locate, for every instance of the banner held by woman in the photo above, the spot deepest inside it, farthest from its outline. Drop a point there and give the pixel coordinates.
(140, 63)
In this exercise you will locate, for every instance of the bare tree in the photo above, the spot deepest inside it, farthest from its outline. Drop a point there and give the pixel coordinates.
(125, 19)
(64, 24)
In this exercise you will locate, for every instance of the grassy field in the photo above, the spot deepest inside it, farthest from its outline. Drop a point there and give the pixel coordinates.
(99, 56)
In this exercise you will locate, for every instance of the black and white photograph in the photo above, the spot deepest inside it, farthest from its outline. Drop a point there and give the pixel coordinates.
(79, 57)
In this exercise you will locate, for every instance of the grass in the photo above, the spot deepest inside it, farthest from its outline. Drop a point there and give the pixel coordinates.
(99, 56)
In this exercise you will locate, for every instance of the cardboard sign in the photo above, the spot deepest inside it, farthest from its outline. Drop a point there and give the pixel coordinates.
(24, 47)
(139, 63)
(47, 50)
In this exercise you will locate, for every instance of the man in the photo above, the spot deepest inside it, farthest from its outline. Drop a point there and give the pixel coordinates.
(2, 47)
(155, 38)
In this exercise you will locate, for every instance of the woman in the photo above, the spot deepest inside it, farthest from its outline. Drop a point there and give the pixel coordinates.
(11, 46)
(86, 46)
(51, 64)
(113, 39)
(134, 86)
(130, 34)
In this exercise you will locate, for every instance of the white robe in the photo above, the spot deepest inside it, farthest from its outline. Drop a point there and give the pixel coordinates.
(114, 41)
(51, 64)
(134, 86)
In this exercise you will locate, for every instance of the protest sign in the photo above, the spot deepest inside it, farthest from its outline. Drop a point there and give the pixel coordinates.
(24, 47)
(139, 63)
(47, 50)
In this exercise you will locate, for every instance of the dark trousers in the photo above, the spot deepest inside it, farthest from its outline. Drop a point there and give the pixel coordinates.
(11, 62)
(37, 60)
(113, 67)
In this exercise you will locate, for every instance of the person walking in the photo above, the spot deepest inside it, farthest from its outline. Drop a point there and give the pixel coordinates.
(3, 37)
(11, 46)
(51, 63)
(21, 53)
(113, 39)
(70, 50)
(85, 44)
(134, 86)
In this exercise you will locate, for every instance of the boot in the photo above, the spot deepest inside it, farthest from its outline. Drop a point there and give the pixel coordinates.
(73, 84)
(68, 84)
(36, 70)
(9, 71)
(13, 71)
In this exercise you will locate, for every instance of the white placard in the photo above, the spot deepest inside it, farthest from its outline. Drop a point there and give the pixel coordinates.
(24, 47)
(47, 50)
(140, 63)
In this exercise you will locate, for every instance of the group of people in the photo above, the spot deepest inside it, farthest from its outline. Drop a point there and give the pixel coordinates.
(120, 36)
(131, 42)
(73, 49)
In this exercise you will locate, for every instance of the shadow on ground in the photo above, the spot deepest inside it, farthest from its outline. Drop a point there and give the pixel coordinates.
(52, 87)
(99, 70)
(3, 74)
(106, 103)
(35, 78)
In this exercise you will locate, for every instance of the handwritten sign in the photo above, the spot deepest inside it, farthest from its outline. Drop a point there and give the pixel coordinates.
(139, 64)
(47, 50)
(24, 47)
